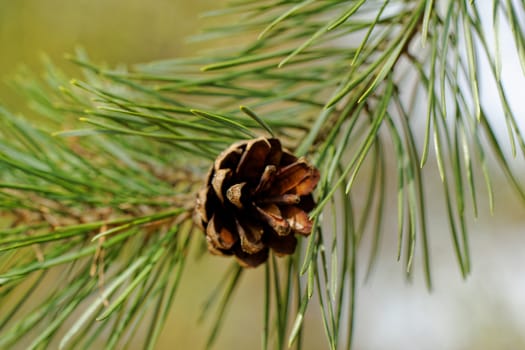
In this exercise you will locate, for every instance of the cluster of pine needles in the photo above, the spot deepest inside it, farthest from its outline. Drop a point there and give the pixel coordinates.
(97, 187)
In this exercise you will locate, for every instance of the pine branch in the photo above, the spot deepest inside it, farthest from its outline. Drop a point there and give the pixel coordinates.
(101, 188)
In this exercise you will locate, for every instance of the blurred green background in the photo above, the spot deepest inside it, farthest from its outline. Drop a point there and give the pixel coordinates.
(114, 31)
(485, 312)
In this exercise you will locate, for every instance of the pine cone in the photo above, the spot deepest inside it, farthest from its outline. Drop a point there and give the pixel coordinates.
(256, 197)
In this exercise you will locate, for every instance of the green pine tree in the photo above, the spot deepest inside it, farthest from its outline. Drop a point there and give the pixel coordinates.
(97, 194)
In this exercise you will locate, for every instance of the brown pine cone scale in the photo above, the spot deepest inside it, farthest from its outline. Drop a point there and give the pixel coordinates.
(257, 196)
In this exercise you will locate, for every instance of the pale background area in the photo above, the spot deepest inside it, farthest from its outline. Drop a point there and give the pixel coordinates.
(487, 311)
